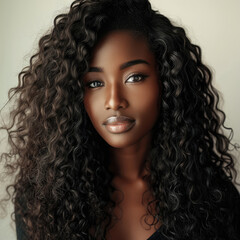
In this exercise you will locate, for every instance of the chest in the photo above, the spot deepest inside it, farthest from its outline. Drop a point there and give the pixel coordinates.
(131, 219)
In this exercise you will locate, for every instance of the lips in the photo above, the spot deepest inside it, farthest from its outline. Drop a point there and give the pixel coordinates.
(119, 124)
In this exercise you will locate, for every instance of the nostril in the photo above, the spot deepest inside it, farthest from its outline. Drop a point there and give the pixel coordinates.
(116, 104)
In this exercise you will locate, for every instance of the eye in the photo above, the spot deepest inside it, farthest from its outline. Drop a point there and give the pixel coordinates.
(93, 84)
(136, 78)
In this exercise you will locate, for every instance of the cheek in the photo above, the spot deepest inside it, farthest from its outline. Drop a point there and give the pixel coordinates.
(92, 107)
(147, 100)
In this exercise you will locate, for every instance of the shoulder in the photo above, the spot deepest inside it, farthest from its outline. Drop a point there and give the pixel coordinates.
(231, 194)
(20, 225)
(231, 202)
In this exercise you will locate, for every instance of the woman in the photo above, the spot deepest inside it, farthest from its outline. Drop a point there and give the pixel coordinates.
(119, 132)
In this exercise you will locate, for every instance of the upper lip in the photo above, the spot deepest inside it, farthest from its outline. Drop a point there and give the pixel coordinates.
(115, 119)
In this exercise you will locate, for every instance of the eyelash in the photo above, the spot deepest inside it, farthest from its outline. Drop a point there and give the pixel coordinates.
(142, 76)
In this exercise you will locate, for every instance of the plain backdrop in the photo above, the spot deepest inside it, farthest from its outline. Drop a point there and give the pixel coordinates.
(212, 24)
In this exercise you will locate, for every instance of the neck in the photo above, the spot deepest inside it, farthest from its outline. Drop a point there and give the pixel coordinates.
(129, 163)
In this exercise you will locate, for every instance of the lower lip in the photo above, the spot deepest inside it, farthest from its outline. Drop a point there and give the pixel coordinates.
(120, 128)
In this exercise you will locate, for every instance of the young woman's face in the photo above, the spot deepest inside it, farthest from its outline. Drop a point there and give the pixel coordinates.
(122, 82)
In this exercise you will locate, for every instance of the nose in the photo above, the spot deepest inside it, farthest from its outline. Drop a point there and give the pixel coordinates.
(115, 98)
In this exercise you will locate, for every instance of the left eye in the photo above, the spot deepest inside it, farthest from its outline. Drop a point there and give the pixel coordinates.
(136, 78)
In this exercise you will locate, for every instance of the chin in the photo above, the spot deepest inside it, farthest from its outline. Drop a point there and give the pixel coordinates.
(123, 140)
(119, 144)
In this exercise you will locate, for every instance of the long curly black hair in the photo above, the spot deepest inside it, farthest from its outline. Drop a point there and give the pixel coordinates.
(62, 186)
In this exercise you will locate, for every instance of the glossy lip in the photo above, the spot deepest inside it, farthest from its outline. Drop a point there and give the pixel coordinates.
(119, 124)
(117, 119)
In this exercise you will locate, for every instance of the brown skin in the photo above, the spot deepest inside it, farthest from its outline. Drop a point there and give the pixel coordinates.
(113, 91)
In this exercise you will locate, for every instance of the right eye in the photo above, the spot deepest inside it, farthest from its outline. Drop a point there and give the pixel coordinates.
(93, 84)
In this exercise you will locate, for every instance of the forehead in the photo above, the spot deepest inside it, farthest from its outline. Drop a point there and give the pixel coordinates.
(120, 46)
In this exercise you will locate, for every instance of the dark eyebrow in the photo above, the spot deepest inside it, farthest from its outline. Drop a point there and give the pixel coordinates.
(133, 62)
(123, 66)
(95, 69)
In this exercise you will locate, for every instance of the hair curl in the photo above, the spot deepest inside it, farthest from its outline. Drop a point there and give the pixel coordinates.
(62, 187)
